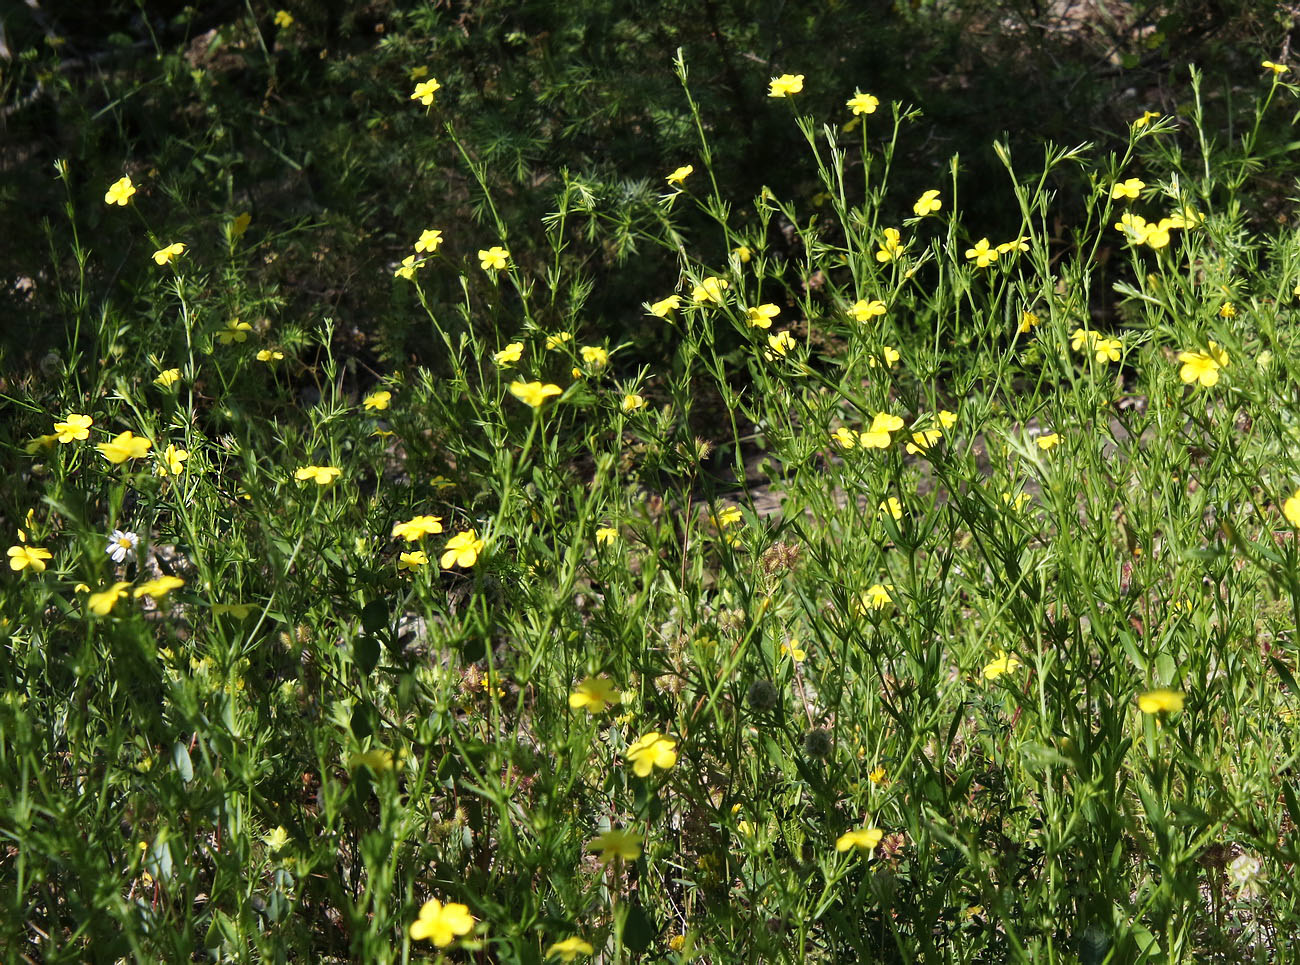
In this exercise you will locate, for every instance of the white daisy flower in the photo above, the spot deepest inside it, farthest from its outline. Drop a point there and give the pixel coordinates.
(121, 546)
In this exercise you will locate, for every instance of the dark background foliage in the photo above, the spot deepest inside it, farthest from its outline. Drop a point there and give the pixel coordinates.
(214, 110)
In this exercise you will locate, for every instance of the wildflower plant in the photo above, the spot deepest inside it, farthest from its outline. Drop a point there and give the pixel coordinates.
(933, 598)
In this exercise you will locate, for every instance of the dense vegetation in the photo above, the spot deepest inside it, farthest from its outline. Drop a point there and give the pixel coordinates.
(680, 482)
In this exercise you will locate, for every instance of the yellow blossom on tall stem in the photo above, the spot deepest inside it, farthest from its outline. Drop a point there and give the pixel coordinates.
(665, 306)
(534, 393)
(861, 103)
(124, 446)
(172, 460)
(509, 355)
(429, 240)
(101, 604)
(164, 255)
(417, 527)
(569, 949)
(863, 839)
(1291, 509)
(463, 550)
(75, 427)
(158, 588)
(928, 203)
(983, 254)
(320, 475)
(785, 85)
(680, 175)
(120, 191)
(650, 751)
(425, 90)
(760, 316)
(493, 259)
(595, 695)
(22, 557)
(1160, 701)
(377, 401)
(631, 402)
(616, 843)
(441, 924)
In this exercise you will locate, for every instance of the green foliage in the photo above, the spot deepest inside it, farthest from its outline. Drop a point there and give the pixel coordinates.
(943, 559)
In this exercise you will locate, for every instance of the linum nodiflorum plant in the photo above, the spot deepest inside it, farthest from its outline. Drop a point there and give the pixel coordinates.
(922, 605)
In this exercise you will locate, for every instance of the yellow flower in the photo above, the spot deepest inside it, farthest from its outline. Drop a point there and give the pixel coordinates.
(1291, 509)
(239, 611)
(1028, 322)
(493, 259)
(240, 224)
(892, 506)
(1203, 367)
(21, 557)
(101, 604)
(778, 345)
(1020, 244)
(864, 839)
(412, 560)
(650, 751)
(74, 427)
(270, 355)
(844, 438)
(557, 340)
(982, 254)
(877, 434)
(680, 174)
(569, 949)
(429, 240)
(1107, 349)
(1048, 440)
(158, 588)
(1003, 663)
(320, 475)
(927, 203)
(1017, 501)
(377, 759)
(947, 419)
(377, 401)
(606, 535)
(1277, 69)
(283, 19)
(877, 597)
(726, 517)
(441, 924)
(167, 377)
(616, 844)
(891, 247)
(120, 191)
(509, 355)
(594, 355)
(172, 461)
(863, 311)
(38, 443)
(534, 393)
(877, 776)
(631, 402)
(1145, 119)
(761, 316)
(462, 549)
(861, 103)
(235, 331)
(425, 90)
(785, 85)
(417, 527)
(276, 839)
(1081, 337)
(666, 305)
(407, 268)
(794, 651)
(743, 253)
(888, 357)
(163, 255)
(923, 440)
(710, 290)
(1127, 189)
(595, 695)
(124, 446)
(1160, 701)
(1227, 310)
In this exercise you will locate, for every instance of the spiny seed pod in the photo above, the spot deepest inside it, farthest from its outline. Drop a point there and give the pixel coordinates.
(762, 696)
(817, 744)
